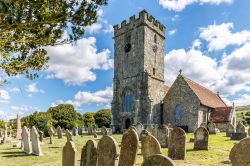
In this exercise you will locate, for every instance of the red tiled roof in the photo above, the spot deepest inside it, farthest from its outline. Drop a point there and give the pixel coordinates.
(207, 97)
(220, 114)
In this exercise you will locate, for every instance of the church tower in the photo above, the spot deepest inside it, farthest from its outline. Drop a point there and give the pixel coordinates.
(138, 71)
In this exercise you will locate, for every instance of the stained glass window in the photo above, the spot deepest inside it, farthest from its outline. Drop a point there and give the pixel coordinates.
(128, 101)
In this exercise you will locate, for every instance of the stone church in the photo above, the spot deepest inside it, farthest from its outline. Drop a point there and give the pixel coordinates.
(140, 94)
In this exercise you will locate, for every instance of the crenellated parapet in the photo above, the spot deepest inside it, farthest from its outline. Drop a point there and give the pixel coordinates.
(143, 19)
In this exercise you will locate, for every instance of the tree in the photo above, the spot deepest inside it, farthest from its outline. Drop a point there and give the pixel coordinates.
(27, 26)
(88, 119)
(103, 118)
(2, 123)
(65, 116)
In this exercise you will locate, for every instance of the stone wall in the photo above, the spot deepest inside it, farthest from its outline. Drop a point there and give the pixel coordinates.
(180, 93)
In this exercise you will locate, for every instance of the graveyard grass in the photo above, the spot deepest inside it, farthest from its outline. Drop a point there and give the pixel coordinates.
(218, 153)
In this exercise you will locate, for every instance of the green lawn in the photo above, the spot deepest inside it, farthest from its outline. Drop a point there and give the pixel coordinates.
(219, 148)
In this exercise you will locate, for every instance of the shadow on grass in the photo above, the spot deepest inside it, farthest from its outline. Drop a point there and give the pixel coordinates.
(14, 154)
(55, 147)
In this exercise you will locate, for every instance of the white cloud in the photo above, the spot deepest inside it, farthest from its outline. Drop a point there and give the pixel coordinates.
(4, 96)
(75, 64)
(175, 18)
(94, 28)
(179, 5)
(221, 36)
(99, 98)
(15, 90)
(196, 44)
(172, 32)
(242, 100)
(32, 88)
(108, 29)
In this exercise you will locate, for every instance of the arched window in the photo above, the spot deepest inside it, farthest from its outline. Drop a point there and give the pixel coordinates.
(178, 112)
(127, 101)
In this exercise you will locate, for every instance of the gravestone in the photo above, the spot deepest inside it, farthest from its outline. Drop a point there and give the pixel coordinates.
(80, 131)
(18, 128)
(104, 131)
(69, 155)
(90, 130)
(107, 151)
(36, 148)
(230, 130)
(51, 136)
(41, 135)
(59, 132)
(139, 127)
(201, 139)
(109, 131)
(204, 124)
(26, 140)
(129, 148)
(158, 160)
(177, 144)
(149, 146)
(240, 153)
(75, 131)
(10, 131)
(143, 133)
(240, 132)
(150, 129)
(89, 154)
(162, 135)
(212, 128)
(5, 136)
(1, 133)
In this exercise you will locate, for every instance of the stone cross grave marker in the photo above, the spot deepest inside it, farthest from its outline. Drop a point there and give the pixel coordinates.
(89, 154)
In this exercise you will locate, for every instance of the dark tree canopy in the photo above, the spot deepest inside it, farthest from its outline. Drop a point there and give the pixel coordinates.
(103, 118)
(27, 26)
(88, 119)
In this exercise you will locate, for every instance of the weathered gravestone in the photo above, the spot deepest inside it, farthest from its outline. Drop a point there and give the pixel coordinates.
(104, 131)
(109, 131)
(5, 136)
(36, 148)
(89, 154)
(59, 132)
(240, 153)
(90, 130)
(26, 140)
(51, 136)
(139, 127)
(69, 157)
(154, 131)
(1, 133)
(41, 135)
(177, 144)
(149, 146)
(150, 129)
(201, 139)
(143, 133)
(230, 130)
(18, 128)
(129, 147)
(204, 124)
(212, 128)
(75, 131)
(80, 131)
(10, 131)
(158, 160)
(107, 151)
(162, 135)
(240, 132)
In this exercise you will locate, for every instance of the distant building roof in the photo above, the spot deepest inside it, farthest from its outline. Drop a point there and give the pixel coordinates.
(221, 114)
(206, 97)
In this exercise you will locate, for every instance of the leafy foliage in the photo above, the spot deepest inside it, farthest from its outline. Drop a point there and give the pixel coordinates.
(88, 119)
(27, 26)
(65, 116)
(2, 123)
(103, 118)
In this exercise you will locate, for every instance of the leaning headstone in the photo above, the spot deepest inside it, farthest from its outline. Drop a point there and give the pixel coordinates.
(18, 128)
(201, 139)
(240, 153)
(51, 136)
(139, 127)
(162, 135)
(89, 154)
(59, 132)
(107, 151)
(104, 131)
(230, 130)
(129, 147)
(26, 140)
(158, 160)
(177, 144)
(36, 148)
(149, 146)
(212, 128)
(75, 131)
(41, 135)
(69, 155)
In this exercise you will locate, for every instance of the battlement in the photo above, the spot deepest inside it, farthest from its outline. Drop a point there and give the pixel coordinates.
(144, 18)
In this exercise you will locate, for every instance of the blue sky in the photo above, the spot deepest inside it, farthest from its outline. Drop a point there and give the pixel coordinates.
(208, 39)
